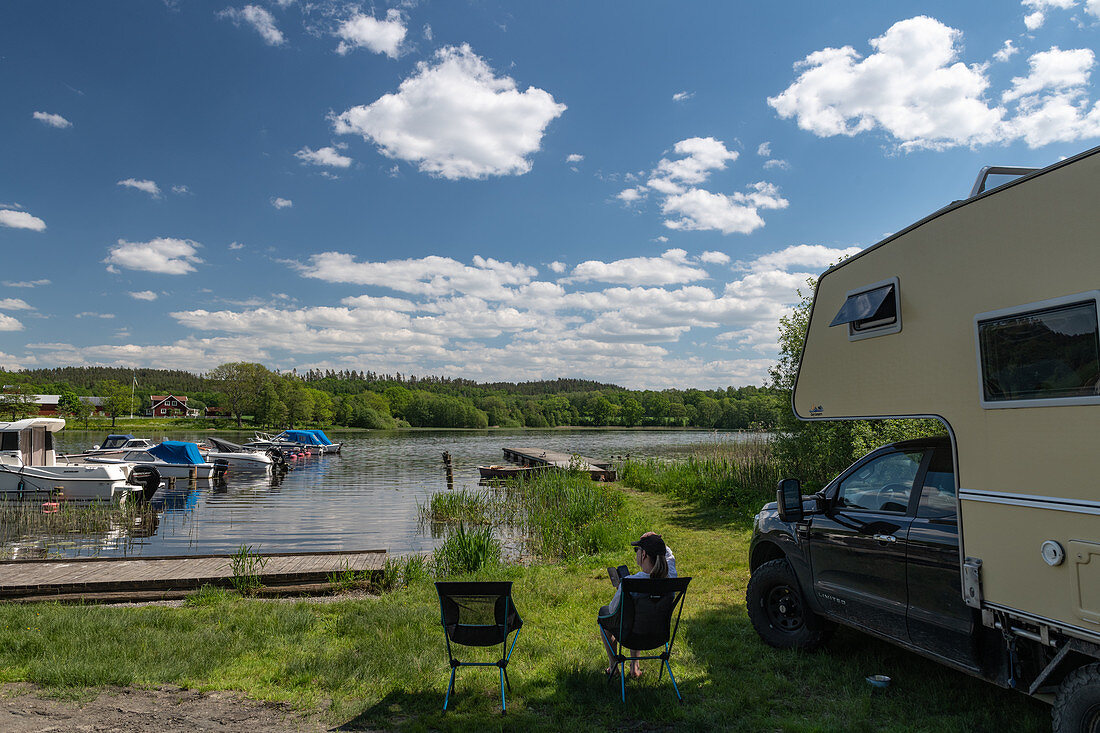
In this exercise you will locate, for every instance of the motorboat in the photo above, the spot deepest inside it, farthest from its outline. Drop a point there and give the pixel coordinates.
(120, 444)
(240, 458)
(29, 469)
(314, 441)
(172, 458)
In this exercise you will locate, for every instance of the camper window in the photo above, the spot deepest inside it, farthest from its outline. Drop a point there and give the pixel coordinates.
(9, 441)
(1033, 356)
(871, 311)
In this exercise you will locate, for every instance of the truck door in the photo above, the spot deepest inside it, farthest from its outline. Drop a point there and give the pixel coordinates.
(858, 548)
(937, 618)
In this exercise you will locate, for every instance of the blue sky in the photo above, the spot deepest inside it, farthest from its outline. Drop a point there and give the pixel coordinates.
(627, 192)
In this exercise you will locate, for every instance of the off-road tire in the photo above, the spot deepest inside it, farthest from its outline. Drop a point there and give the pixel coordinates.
(778, 610)
(1077, 705)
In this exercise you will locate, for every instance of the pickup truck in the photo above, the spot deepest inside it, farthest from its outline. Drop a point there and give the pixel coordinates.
(878, 550)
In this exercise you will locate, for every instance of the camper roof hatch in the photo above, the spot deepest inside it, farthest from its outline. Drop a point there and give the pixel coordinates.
(997, 170)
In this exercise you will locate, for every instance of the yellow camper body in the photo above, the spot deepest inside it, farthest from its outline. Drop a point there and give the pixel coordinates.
(979, 315)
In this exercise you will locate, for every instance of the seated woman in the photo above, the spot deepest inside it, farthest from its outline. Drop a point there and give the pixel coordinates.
(656, 560)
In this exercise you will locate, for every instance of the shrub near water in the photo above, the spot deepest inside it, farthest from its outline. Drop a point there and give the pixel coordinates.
(740, 475)
(466, 551)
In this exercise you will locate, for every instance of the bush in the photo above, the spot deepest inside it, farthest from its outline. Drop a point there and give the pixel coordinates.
(466, 551)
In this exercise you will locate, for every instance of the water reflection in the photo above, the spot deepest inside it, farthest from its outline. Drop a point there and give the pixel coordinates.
(363, 498)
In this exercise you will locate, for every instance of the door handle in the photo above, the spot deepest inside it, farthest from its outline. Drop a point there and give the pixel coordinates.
(884, 538)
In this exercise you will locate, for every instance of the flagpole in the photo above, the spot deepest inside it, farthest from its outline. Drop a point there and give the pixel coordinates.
(133, 386)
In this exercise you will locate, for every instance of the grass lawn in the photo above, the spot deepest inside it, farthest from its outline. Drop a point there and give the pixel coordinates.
(380, 663)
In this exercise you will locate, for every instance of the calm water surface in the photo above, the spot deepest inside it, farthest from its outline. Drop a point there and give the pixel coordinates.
(364, 498)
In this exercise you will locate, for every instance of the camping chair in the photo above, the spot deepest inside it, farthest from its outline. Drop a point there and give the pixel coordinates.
(479, 614)
(643, 620)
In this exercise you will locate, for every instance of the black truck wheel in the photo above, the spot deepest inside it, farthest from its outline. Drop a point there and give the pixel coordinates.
(1077, 706)
(778, 610)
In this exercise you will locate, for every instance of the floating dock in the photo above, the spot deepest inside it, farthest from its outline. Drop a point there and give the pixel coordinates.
(598, 470)
(122, 579)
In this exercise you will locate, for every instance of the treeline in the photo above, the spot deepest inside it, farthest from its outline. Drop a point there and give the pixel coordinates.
(253, 394)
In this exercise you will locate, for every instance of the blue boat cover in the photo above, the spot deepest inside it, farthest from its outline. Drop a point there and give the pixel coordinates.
(321, 437)
(305, 437)
(178, 451)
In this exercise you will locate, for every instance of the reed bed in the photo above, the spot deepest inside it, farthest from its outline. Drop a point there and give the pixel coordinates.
(557, 514)
(741, 475)
(44, 529)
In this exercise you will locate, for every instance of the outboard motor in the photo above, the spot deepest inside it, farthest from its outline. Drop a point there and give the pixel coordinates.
(221, 467)
(148, 478)
(278, 459)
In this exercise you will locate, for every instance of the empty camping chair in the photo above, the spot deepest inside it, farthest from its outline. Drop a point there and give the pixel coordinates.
(479, 614)
(643, 622)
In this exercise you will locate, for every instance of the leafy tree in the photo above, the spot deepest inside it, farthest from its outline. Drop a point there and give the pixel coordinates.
(116, 398)
(242, 383)
(632, 412)
(270, 409)
(19, 402)
(82, 410)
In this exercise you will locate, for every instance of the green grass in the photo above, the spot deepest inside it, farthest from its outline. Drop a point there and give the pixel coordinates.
(380, 663)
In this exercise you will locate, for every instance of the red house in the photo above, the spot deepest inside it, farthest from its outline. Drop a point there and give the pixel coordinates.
(168, 406)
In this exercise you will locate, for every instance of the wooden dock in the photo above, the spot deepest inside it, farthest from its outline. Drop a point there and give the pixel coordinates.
(146, 578)
(598, 470)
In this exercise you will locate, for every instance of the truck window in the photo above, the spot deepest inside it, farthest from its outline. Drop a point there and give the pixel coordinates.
(883, 484)
(1040, 354)
(937, 498)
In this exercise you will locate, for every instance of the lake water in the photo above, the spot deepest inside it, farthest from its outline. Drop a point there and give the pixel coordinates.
(364, 498)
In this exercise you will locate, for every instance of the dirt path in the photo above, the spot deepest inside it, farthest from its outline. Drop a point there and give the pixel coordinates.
(24, 709)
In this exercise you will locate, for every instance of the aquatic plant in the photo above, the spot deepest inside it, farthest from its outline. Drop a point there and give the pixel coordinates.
(247, 567)
(466, 551)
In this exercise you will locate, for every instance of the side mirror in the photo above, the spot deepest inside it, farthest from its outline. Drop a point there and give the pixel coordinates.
(788, 499)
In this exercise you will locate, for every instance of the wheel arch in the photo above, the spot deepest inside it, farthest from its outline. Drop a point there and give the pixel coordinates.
(765, 551)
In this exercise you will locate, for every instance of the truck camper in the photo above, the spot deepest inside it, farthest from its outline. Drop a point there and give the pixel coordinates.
(982, 315)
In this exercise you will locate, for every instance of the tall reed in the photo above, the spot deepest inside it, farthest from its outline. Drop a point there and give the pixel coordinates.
(466, 551)
(52, 527)
(741, 475)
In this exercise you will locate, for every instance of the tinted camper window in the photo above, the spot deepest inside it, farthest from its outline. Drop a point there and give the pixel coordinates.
(871, 311)
(1044, 354)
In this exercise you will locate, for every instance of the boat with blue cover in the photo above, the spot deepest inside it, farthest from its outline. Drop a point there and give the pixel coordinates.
(314, 441)
(173, 459)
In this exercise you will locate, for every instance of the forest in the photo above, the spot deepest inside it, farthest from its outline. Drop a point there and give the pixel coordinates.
(257, 396)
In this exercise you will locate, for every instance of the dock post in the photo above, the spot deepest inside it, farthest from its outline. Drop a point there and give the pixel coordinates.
(450, 470)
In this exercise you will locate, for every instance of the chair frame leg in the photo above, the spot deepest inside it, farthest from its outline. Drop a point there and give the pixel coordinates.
(450, 687)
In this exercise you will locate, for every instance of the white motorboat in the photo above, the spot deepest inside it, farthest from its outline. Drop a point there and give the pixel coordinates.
(240, 458)
(172, 458)
(311, 441)
(120, 444)
(29, 470)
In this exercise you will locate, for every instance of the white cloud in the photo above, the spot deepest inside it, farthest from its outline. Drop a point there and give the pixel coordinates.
(916, 90)
(574, 158)
(776, 164)
(670, 268)
(163, 255)
(1007, 51)
(25, 283)
(701, 156)
(682, 96)
(260, 19)
(913, 87)
(181, 190)
(15, 304)
(324, 156)
(1035, 20)
(280, 203)
(53, 120)
(714, 258)
(427, 275)
(235, 246)
(144, 295)
(7, 323)
(813, 256)
(738, 212)
(558, 267)
(21, 220)
(456, 119)
(149, 187)
(93, 314)
(379, 36)
(1053, 69)
(631, 195)
(1092, 7)
(764, 149)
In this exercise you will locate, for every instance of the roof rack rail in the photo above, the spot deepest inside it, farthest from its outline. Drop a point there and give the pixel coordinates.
(996, 170)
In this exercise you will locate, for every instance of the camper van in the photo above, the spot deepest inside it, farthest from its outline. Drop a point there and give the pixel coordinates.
(981, 549)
